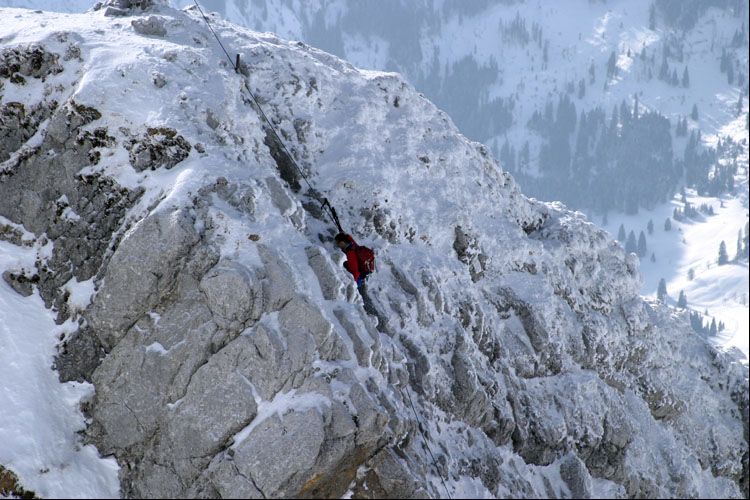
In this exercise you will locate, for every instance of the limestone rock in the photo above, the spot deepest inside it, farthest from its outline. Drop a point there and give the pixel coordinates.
(153, 26)
(278, 281)
(157, 148)
(330, 285)
(233, 293)
(143, 266)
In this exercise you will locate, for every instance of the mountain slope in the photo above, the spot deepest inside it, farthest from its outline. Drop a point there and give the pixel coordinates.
(192, 269)
(493, 65)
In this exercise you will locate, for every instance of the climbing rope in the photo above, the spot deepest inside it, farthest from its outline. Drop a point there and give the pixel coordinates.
(424, 439)
(236, 65)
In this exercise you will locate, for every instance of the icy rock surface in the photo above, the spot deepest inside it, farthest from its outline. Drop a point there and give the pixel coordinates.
(230, 353)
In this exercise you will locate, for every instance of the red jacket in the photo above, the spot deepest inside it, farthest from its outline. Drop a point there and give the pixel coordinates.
(351, 263)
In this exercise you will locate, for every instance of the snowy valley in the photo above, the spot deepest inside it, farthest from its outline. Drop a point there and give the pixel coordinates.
(160, 249)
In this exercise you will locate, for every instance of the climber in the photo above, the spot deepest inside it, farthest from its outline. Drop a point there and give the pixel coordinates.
(360, 262)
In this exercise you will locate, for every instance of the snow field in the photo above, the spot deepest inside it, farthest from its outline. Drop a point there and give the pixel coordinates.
(40, 417)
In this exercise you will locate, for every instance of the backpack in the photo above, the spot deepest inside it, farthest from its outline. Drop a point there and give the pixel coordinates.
(365, 259)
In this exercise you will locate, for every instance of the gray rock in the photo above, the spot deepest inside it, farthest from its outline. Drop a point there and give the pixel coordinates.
(576, 476)
(360, 340)
(129, 6)
(31, 60)
(330, 285)
(301, 315)
(78, 356)
(205, 418)
(18, 124)
(262, 358)
(159, 80)
(153, 26)
(157, 148)
(404, 282)
(471, 403)
(388, 477)
(20, 282)
(279, 196)
(233, 293)
(212, 120)
(153, 367)
(115, 12)
(371, 418)
(278, 281)
(39, 185)
(142, 268)
(280, 452)
(222, 480)
(241, 196)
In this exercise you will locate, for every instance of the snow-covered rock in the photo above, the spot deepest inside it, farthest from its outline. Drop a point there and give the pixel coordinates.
(229, 352)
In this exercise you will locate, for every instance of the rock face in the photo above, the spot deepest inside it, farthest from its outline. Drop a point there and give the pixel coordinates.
(230, 353)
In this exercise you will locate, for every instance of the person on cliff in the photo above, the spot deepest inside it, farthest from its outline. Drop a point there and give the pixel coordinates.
(360, 262)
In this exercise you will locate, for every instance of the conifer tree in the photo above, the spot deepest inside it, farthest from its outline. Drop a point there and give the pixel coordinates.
(685, 78)
(653, 257)
(664, 70)
(723, 257)
(667, 225)
(682, 301)
(621, 234)
(631, 246)
(713, 331)
(691, 274)
(661, 292)
(611, 64)
(642, 249)
(650, 226)
(694, 113)
(747, 240)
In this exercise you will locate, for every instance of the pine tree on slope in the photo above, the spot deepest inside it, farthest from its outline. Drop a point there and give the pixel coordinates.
(723, 257)
(682, 301)
(661, 292)
(621, 234)
(642, 249)
(631, 246)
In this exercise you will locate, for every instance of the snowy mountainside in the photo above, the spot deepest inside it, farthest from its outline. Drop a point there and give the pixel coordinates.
(493, 65)
(195, 286)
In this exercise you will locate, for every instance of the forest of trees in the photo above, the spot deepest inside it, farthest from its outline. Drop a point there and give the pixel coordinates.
(621, 161)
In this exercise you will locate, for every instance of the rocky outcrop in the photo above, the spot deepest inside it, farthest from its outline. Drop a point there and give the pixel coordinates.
(232, 357)
(46, 192)
(178, 323)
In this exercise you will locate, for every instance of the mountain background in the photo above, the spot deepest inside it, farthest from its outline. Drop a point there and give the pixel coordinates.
(156, 244)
